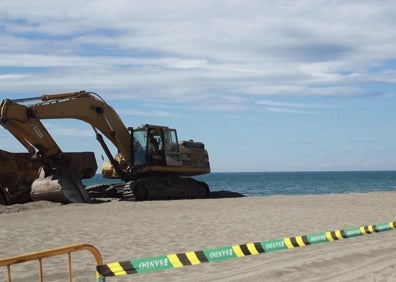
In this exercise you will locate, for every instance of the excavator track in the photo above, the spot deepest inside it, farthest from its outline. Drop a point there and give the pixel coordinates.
(106, 190)
(168, 188)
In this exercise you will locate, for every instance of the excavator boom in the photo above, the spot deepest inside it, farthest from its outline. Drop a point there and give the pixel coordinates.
(82, 105)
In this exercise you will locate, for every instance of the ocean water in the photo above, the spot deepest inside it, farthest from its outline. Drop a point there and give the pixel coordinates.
(293, 183)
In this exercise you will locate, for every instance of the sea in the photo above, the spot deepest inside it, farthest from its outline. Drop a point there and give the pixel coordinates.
(292, 183)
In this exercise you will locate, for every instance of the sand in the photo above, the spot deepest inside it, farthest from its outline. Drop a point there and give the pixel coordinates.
(128, 230)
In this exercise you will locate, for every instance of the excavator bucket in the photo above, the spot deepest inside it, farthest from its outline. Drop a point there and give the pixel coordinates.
(17, 172)
(63, 183)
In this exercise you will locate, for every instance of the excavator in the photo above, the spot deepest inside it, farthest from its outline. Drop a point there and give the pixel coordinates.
(151, 162)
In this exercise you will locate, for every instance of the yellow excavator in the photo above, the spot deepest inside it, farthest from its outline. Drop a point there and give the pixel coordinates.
(151, 161)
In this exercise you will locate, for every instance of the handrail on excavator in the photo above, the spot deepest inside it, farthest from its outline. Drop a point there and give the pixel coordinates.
(7, 262)
(49, 97)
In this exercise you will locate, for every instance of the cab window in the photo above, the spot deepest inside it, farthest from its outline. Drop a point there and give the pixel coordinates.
(139, 147)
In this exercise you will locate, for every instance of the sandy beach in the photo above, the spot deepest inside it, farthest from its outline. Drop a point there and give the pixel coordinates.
(124, 230)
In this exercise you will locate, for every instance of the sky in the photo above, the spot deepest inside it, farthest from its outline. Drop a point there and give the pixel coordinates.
(265, 85)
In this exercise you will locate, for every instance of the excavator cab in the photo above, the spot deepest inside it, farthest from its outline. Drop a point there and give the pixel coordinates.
(162, 152)
(156, 150)
(161, 165)
(155, 146)
(148, 146)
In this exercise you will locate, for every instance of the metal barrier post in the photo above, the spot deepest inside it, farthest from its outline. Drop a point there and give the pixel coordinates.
(7, 262)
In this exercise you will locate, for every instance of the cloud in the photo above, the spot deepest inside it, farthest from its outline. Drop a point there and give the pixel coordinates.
(181, 49)
(287, 110)
(155, 113)
(73, 132)
(284, 104)
(288, 107)
(12, 76)
(63, 128)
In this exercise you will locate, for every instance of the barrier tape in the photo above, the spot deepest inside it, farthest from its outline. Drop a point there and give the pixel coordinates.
(159, 263)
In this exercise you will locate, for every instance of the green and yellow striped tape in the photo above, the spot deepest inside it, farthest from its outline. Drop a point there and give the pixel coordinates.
(159, 263)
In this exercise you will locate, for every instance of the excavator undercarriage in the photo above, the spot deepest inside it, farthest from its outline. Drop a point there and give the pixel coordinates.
(168, 188)
(152, 188)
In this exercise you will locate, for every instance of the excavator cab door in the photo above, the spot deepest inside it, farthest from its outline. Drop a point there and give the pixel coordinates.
(140, 147)
(172, 153)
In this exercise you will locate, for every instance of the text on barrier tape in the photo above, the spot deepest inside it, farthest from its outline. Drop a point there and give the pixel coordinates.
(159, 263)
